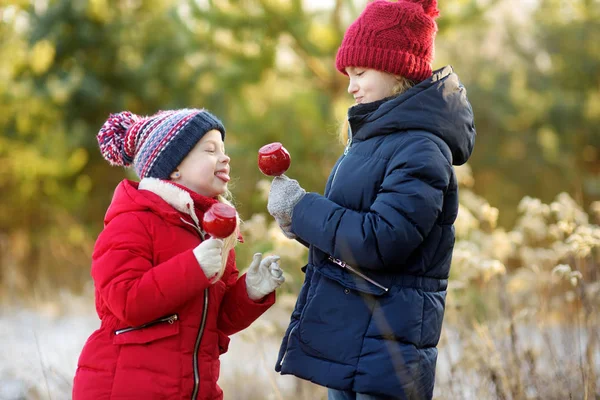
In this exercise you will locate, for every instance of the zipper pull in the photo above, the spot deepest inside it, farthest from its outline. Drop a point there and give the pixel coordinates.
(172, 319)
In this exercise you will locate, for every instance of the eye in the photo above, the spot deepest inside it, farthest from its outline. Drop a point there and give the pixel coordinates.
(360, 73)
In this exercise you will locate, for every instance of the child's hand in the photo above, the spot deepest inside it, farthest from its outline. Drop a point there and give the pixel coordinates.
(210, 256)
(263, 277)
(285, 193)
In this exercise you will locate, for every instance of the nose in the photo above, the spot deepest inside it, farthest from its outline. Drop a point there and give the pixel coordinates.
(225, 159)
(352, 86)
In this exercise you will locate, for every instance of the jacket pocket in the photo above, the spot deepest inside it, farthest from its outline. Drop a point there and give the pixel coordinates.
(150, 332)
(351, 278)
(334, 320)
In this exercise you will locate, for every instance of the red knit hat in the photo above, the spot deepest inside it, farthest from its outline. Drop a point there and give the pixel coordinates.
(392, 37)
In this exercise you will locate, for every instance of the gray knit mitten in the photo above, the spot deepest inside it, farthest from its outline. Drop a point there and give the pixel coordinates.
(286, 229)
(285, 193)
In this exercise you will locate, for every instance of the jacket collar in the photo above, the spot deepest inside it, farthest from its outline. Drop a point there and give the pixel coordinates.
(178, 197)
(438, 105)
(359, 113)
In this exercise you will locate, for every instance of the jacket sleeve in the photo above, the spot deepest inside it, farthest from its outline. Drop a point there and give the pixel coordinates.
(238, 311)
(135, 290)
(407, 205)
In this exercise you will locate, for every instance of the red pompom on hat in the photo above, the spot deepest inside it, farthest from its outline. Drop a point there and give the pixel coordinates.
(113, 139)
(393, 37)
(429, 6)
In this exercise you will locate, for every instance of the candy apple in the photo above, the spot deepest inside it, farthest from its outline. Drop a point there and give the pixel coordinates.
(219, 220)
(273, 159)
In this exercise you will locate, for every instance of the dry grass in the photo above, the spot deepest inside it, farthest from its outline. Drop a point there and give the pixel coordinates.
(521, 318)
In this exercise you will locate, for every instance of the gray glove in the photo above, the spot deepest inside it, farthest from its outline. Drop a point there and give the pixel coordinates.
(210, 256)
(285, 193)
(286, 229)
(263, 277)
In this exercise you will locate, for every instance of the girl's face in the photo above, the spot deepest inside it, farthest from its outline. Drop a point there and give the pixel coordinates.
(205, 169)
(368, 85)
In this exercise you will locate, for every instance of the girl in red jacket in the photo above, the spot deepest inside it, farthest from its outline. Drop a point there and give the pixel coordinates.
(167, 296)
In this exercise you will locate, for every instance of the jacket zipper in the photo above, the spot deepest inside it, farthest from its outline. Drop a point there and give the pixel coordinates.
(335, 260)
(287, 346)
(346, 150)
(200, 330)
(170, 319)
(198, 229)
(351, 269)
(197, 347)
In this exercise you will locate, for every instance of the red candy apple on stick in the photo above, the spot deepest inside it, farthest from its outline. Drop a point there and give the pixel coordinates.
(220, 220)
(273, 159)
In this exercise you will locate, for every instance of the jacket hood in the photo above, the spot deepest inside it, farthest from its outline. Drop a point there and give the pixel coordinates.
(438, 105)
(127, 198)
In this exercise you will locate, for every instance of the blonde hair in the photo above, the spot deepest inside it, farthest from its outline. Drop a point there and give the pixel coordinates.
(402, 85)
(231, 241)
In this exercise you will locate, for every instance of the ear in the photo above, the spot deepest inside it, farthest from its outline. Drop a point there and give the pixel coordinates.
(175, 175)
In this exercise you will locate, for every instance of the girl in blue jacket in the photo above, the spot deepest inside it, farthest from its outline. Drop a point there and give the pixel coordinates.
(369, 315)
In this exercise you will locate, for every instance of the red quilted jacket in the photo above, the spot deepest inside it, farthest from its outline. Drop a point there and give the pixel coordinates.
(163, 325)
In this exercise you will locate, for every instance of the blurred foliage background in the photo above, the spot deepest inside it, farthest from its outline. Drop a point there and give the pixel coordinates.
(528, 236)
(266, 67)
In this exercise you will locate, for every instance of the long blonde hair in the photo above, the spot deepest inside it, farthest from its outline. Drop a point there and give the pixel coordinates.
(402, 85)
(231, 241)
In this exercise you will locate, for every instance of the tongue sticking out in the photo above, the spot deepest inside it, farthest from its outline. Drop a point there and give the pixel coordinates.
(223, 176)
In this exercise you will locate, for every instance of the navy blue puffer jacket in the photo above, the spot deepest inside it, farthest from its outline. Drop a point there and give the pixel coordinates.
(388, 213)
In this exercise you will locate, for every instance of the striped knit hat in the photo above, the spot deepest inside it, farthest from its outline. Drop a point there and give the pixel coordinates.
(157, 144)
(392, 37)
